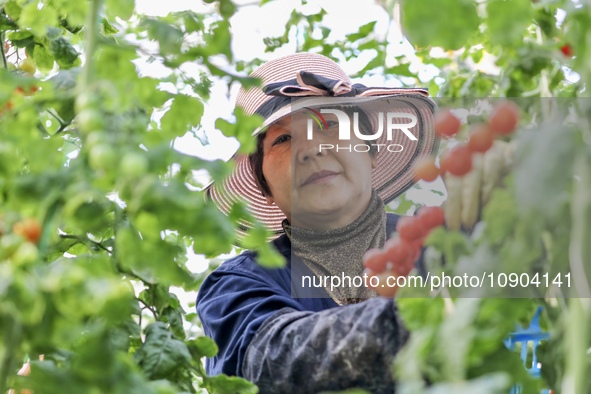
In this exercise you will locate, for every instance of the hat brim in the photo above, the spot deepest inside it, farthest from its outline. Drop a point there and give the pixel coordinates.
(392, 176)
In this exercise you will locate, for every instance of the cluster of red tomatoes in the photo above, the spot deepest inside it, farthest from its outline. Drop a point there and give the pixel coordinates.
(458, 160)
(400, 253)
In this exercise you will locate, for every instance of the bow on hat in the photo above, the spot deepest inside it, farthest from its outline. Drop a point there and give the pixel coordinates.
(309, 84)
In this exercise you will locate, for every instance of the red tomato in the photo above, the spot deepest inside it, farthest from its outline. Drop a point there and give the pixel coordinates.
(410, 228)
(383, 289)
(566, 50)
(426, 170)
(29, 229)
(26, 92)
(431, 217)
(397, 250)
(446, 123)
(504, 118)
(458, 161)
(404, 269)
(481, 139)
(375, 260)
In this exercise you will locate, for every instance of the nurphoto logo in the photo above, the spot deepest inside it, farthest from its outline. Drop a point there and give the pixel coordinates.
(387, 122)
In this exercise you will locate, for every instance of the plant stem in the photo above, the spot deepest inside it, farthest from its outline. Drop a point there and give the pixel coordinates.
(12, 340)
(4, 63)
(91, 44)
(579, 314)
(580, 248)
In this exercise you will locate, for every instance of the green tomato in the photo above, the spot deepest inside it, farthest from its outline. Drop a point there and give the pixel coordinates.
(25, 254)
(102, 157)
(227, 8)
(134, 165)
(94, 138)
(86, 100)
(8, 158)
(9, 243)
(28, 66)
(90, 120)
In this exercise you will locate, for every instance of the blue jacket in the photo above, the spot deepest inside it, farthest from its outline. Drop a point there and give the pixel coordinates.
(265, 334)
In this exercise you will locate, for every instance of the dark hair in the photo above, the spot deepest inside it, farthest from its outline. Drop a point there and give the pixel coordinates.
(256, 158)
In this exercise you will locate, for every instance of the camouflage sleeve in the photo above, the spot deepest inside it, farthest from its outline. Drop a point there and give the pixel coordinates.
(335, 349)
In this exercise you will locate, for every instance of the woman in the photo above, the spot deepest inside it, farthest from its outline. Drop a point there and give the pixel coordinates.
(320, 183)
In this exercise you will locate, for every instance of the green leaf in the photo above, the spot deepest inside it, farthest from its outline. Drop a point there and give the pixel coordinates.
(362, 32)
(243, 128)
(451, 243)
(154, 262)
(223, 384)
(65, 80)
(269, 257)
(504, 30)
(202, 347)
(19, 35)
(108, 28)
(477, 55)
(401, 70)
(449, 25)
(6, 23)
(169, 37)
(13, 10)
(193, 21)
(420, 312)
(38, 19)
(74, 11)
(43, 58)
(491, 383)
(54, 32)
(218, 40)
(161, 354)
(120, 8)
(454, 352)
(64, 53)
(185, 112)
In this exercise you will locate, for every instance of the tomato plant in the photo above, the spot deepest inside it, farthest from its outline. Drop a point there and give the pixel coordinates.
(90, 156)
(97, 209)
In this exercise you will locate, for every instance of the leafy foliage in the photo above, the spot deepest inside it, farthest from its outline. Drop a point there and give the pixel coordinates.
(85, 152)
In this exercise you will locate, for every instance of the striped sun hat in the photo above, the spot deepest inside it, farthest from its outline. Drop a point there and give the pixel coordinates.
(307, 81)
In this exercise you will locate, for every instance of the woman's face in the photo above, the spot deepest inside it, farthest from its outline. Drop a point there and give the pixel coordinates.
(320, 189)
